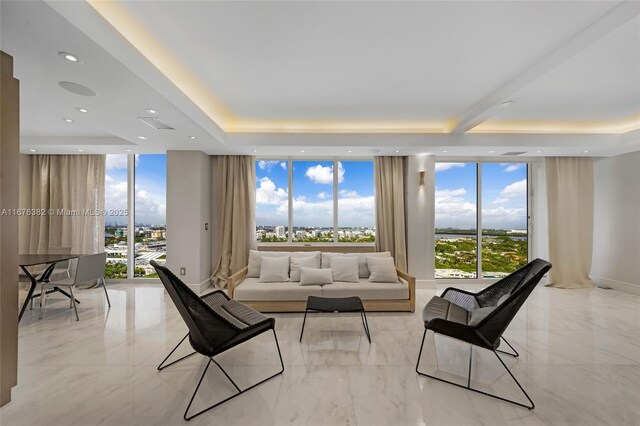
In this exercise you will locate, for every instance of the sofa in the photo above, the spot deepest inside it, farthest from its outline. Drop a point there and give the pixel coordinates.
(288, 295)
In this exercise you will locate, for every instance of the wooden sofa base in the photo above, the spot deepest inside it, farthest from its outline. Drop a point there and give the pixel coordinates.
(300, 305)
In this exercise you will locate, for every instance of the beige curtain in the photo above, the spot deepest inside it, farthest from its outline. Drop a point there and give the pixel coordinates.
(390, 216)
(570, 215)
(70, 188)
(236, 180)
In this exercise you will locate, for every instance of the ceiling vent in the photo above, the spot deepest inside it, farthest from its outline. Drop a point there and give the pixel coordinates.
(514, 153)
(156, 123)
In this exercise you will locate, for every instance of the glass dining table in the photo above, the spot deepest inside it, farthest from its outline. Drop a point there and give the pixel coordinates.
(28, 260)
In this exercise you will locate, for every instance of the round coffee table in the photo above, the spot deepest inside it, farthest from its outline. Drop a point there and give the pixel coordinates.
(336, 304)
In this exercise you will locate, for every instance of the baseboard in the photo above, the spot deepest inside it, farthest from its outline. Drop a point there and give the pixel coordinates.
(202, 287)
(616, 285)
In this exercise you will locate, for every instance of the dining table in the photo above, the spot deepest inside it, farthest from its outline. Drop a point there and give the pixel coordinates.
(29, 260)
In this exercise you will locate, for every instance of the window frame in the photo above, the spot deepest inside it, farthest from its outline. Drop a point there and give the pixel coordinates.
(531, 163)
(334, 161)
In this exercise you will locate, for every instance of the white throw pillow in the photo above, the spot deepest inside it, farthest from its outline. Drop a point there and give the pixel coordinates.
(255, 257)
(344, 268)
(363, 270)
(274, 269)
(383, 270)
(315, 276)
(302, 262)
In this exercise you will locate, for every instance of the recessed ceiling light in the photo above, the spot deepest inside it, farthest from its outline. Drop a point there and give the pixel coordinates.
(538, 152)
(491, 152)
(254, 150)
(83, 110)
(349, 151)
(444, 151)
(68, 120)
(143, 138)
(302, 150)
(193, 138)
(397, 150)
(505, 104)
(69, 57)
(32, 150)
(81, 150)
(586, 151)
(127, 150)
(151, 111)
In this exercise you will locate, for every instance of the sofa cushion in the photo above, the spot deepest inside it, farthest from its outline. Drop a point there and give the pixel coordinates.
(274, 269)
(344, 268)
(383, 270)
(315, 276)
(255, 258)
(296, 263)
(367, 290)
(363, 271)
(252, 290)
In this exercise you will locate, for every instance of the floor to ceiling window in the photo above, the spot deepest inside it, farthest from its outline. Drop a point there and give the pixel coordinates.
(115, 222)
(456, 239)
(132, 244)
(501, 221)
(319, 201)
(150, 213)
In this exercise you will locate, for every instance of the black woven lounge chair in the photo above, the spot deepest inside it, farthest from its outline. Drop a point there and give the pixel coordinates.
(216, 324)
(481, 318)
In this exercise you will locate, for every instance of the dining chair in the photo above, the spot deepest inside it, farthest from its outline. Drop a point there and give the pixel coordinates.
(61, 270)
(89, 268)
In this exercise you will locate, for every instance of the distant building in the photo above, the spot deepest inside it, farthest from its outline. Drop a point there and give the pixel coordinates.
(280, 233)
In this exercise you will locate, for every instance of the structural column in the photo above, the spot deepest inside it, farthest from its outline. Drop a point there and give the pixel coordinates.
(9, 240)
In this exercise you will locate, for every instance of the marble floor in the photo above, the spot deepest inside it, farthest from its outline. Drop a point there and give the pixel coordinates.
(580, 362)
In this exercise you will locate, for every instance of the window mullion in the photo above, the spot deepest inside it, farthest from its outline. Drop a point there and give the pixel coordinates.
(479, 220)
(131, 221)
(290, 201)
(335, 201)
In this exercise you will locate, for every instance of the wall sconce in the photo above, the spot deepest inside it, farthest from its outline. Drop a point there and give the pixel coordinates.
(421, 178)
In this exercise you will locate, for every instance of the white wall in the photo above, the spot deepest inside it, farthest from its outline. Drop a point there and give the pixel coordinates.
(188, 210)
(616, 231)
(420, 217)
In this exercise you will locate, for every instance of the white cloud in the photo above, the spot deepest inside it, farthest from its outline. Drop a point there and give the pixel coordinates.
(266, 165)
(441, 167)
(357, 211)
(513, 190)
(511, 167)
(149, 208)
(322, 195)
(347, 193)
(268, 194)
(452, 210)
(324, 174)
(283, 164)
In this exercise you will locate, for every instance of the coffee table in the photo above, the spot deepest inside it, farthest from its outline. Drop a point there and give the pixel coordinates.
(336, 304)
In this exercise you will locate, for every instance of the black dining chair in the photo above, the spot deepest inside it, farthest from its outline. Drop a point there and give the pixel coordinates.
(481, 318)
(216, 324)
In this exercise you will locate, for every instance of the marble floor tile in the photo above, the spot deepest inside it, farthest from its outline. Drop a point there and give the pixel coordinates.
(580, 362)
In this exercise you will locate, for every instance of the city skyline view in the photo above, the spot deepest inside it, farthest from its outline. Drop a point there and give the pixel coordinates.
(313, 194)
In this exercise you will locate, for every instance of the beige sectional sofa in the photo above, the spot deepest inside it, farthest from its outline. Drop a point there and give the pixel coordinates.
(289, 296)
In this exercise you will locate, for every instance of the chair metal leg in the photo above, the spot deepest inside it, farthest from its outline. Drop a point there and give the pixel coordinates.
(365, 324)
(530, 407)
(162, 367)
(515, 353)
(188, 417)
(104, 287)
(303, 322)
(73, 302)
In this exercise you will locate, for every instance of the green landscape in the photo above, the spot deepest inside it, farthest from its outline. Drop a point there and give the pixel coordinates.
(499, 253)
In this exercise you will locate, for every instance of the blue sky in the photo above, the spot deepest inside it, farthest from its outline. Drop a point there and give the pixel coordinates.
(504, 195)
(313, 193)
(151, 183)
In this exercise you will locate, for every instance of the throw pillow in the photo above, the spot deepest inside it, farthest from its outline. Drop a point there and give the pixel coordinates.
(383, 270)
(315, 276)
(274, 269)
(255, 259)
(344, 268)
(478, 315)
(363, 270)
(302, 262)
